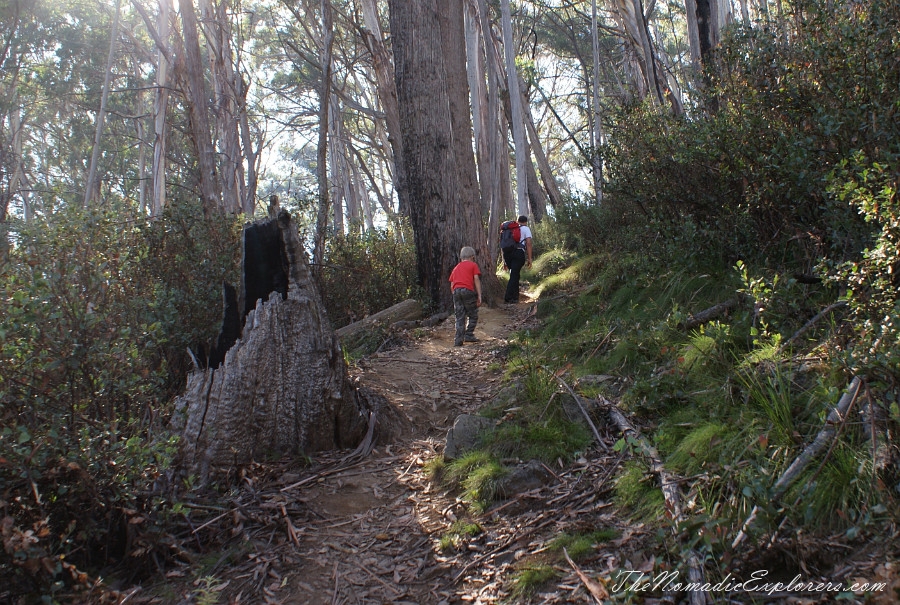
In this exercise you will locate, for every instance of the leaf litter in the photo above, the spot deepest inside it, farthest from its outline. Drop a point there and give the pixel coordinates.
(366, 529)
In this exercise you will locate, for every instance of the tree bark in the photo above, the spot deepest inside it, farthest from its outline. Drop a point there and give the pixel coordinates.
(210, 191)
(436, 208)
(515, 101)
(452, 22)
(283, 387)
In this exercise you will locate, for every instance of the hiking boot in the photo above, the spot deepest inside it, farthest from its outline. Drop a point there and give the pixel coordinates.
(469, 338)
(457, 343)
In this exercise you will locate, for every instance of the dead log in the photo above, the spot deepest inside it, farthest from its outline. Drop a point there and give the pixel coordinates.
(408, 310)
(707, 315)
(283, 387)
(836, 417)
(671, 494)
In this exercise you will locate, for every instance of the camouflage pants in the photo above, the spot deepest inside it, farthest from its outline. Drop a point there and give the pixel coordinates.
(465, 304)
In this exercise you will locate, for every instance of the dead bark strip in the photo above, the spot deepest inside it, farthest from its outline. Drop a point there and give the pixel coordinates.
(596, 589)
(669, 487)
(836, 417)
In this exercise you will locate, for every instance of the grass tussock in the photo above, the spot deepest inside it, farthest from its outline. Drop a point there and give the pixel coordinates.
(726, 405)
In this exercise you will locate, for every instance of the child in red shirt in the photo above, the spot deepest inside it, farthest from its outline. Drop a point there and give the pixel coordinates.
(465, 282)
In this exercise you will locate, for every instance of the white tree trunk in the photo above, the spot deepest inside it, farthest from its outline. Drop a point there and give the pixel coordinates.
(210, 186)
(218, 33)
(322, 149)
(91, 184)
(547, 176)
(251, 146)
(515, 99)
(160, 102)
(498, 155)
(387, 94)
(478, 92)
(597, 138)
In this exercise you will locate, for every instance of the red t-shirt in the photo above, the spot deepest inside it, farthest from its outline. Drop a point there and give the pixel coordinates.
(463, 275)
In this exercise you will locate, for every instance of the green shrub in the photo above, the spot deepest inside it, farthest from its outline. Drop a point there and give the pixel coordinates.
(873, 279)
(366, 273)
(99, 308)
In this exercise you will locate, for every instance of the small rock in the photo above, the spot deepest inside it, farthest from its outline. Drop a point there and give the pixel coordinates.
(464, 434)
(525, 477)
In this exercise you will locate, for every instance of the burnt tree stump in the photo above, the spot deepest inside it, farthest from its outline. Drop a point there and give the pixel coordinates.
(280, 384)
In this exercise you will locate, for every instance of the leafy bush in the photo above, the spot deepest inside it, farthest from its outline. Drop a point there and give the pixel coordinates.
(99, 307)
(873, 280)
(748, 181)
(366, 273)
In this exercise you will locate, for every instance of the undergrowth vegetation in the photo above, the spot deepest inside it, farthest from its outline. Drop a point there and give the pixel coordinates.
(367, 272)
(779, 214)
(99, 308)
(779, 209)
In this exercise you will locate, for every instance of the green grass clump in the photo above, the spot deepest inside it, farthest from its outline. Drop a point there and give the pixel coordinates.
(701, 446)
(435, 467)
(528, 579)
(547, 440)
(567, 277)
(581, 545)
(639, 492)
(479, 474)
(457, 533)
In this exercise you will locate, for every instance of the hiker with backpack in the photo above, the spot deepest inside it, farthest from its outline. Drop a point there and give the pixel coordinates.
(515, 244)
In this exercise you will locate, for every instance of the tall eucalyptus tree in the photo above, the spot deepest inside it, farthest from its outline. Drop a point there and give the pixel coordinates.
(515, 101)
(441, 222)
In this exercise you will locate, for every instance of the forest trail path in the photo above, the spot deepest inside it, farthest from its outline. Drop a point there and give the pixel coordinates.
(369, 531)
(373, 530)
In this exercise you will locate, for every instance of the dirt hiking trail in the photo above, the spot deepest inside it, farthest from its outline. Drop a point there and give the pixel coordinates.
(344, 528)
(369, 531)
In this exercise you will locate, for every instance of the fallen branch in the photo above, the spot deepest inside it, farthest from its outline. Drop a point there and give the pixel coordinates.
(809, 453)
(584, 413)
(811, 323)
(595, 588)
(695, 321)
(421, 323)
(406, 310)
(669, 487)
